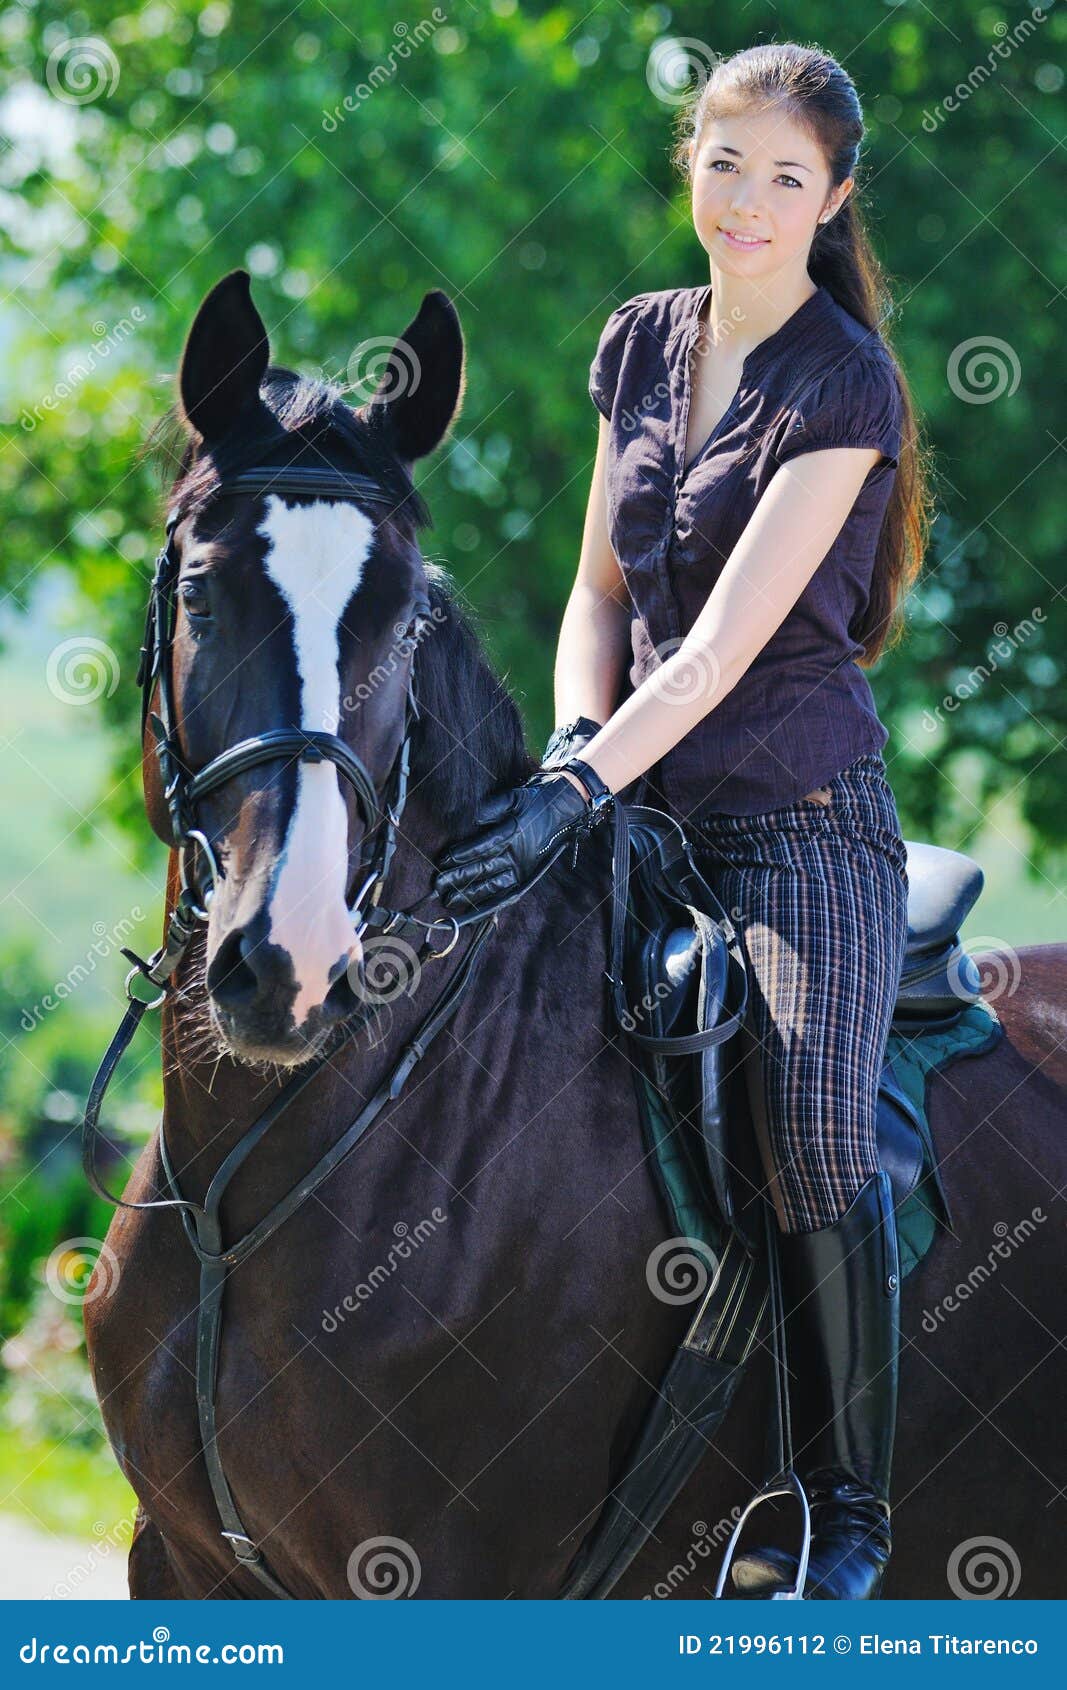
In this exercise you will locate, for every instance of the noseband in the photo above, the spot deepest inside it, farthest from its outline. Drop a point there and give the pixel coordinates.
(182, 790)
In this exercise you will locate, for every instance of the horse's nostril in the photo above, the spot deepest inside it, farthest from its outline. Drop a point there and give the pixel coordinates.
(343, 997)
(231, 980)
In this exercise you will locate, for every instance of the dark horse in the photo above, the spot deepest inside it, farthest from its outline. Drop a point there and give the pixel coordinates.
(430, 1375)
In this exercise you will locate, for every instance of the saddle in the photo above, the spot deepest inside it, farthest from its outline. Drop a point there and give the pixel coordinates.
(684, 994)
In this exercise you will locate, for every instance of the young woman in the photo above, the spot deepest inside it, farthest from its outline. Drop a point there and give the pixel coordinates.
(757, 508)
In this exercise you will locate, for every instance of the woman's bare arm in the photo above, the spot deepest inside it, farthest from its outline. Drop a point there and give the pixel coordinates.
(786, 538)
(594, 636)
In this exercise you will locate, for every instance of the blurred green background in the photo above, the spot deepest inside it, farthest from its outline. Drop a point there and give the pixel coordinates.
(516, 156)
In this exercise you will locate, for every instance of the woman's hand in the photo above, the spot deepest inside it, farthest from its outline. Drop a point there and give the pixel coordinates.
(517, 833)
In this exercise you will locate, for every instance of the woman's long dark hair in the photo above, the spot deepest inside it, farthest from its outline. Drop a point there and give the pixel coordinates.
(815, 92)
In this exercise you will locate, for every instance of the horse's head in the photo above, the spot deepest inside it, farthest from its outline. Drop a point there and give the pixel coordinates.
(294, 611)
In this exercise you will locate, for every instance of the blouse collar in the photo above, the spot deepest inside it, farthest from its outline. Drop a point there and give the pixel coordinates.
(794, 332)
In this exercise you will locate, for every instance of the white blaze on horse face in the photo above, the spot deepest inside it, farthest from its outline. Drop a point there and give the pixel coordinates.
(316, 555)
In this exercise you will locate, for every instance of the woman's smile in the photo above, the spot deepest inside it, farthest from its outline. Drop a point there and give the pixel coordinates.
(741, 243)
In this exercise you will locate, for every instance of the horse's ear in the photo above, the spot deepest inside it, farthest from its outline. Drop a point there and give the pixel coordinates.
(225, 358)
(421, 390)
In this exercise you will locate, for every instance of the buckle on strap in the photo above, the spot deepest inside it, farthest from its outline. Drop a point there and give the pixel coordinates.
(144, 971)
(243, 1547)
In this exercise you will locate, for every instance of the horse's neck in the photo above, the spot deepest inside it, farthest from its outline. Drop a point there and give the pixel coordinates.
(211, 1100)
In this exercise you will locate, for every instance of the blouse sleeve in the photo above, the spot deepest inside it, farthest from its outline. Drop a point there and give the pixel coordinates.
(604, 370)
(857, 404)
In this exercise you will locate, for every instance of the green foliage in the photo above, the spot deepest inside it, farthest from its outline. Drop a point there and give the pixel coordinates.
(53, 1459)
(64, 1487)
(515, 156)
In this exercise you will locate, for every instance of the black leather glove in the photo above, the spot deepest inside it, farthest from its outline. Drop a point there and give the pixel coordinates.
(518, 833)
(568, 740)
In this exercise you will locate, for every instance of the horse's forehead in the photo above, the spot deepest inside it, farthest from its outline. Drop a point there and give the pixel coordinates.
(316, 555)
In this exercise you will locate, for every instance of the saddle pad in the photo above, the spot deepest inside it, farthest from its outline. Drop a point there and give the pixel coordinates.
(915, 1056)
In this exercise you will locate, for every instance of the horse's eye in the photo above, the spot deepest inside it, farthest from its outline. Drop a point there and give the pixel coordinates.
(195, 600)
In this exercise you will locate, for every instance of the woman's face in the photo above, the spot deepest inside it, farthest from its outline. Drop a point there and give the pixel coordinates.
(764, 177)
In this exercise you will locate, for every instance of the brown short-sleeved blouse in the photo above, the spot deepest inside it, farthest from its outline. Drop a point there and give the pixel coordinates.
(803, 710)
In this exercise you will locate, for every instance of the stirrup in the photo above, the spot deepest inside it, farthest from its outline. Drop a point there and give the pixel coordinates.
(785, 1484)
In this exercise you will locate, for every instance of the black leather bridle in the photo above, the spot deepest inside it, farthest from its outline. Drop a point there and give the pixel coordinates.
(182, 790)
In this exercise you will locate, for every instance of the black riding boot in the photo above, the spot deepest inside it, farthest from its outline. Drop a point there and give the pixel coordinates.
(841, 1294)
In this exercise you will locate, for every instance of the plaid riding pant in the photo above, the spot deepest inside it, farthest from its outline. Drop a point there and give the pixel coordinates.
(818, 893)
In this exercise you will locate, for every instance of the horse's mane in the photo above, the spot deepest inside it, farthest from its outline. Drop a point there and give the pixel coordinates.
(469, 740)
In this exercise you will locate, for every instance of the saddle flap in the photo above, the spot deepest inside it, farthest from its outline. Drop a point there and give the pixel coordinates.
(938, 983)
(900, 1145)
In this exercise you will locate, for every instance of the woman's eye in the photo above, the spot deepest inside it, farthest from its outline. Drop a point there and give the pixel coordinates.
(791, 180)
